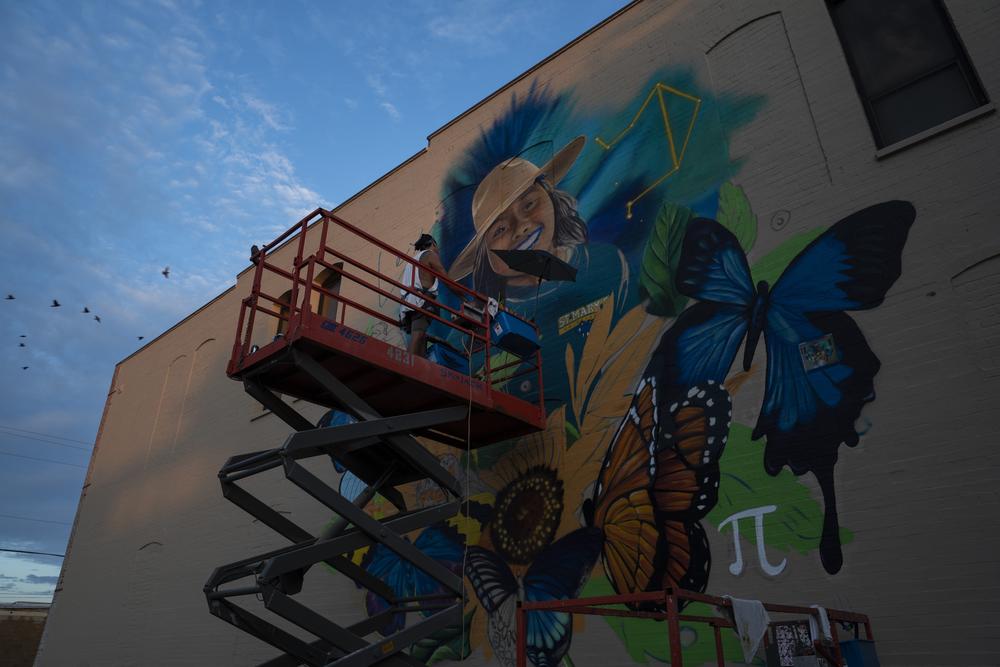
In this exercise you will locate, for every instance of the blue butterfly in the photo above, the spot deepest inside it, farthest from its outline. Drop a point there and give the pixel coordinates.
(558, 573)
(807, 412)
(351, 485)
(441, 542)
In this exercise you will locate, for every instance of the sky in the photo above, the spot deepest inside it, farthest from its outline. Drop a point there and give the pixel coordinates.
(140, 135)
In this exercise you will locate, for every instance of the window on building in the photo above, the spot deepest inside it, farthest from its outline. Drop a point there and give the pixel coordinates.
(330, 280)
(908, 63)
(284, 310)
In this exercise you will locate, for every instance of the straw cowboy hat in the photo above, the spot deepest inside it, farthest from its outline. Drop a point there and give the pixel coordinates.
(501, 187)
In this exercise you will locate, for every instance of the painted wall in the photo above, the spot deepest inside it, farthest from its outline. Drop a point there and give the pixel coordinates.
(772, 378)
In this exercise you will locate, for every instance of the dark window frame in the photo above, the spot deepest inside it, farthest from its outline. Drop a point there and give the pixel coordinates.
(961, 59)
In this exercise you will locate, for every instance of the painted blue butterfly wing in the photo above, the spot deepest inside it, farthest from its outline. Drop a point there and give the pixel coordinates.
(490, 577)
(397, 574)
(496, 588)
(703, 341)
(700, 346)
(808, 413)
(351, 486)
(713, 266)
(336, 418)
(851, 265)
(440, 541)
(444, 544)
(558, 573)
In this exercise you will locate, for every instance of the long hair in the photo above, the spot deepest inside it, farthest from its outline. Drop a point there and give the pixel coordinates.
(570, 231)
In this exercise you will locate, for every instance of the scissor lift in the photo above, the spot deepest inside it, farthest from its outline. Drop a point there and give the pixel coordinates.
(292, 346)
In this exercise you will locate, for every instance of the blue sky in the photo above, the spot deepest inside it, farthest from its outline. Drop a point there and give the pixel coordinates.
(137, 135)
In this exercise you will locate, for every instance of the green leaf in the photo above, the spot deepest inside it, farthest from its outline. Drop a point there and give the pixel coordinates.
(572, 433)
(770, 266)
(645, 638)
(796, 524)
(450, 643)
(736, 216)
(500, 377)
(659, 261)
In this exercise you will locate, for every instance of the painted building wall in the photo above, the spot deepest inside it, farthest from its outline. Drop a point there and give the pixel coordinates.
(693, 151)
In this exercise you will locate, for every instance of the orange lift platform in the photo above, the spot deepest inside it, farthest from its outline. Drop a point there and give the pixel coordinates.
(299, 335)
(786, 637)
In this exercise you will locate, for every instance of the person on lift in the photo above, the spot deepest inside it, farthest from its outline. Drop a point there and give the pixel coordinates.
(413, 321)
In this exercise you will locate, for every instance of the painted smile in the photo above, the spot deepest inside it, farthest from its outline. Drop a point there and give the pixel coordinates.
(531, 239)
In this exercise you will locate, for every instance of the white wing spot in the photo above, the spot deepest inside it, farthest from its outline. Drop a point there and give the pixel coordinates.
(710, 402)
(692, 391)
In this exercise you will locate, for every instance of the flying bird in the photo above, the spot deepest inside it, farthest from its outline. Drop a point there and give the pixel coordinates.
(55, 304)
(21, 345)
(139, 337)
(23, 336)
(85, 310)
(97, 318)
(24, 368)
(10, 297)
(166, 272)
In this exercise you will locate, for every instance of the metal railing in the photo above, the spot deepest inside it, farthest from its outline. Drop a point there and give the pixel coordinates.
(671, 600)
(312, 256)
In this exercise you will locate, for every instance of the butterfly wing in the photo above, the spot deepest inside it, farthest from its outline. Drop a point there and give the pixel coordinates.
(851, 265)
(490, 577)
(443, 543)
(688, 557)
(386, 564)
(351, 486)
(700, 346)
(558, 573)
(807, 413)
(496, 588)
(703, 341)
(623, 508)
(686, 485)
(713, 266)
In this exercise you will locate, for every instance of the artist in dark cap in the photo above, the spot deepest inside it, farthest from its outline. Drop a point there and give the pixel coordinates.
(413, 321)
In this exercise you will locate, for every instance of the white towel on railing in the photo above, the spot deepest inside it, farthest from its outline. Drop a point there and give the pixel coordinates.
(751, 621)
(820, 631)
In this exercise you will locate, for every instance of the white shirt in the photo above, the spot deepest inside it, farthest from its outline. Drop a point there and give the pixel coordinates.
(410, 280)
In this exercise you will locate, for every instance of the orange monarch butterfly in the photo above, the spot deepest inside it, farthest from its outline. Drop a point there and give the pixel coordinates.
(659, 477)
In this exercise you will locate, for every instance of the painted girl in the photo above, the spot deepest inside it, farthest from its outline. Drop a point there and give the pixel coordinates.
(517, 207)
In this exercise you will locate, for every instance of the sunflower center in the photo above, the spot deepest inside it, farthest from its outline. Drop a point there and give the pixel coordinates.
(527, 514)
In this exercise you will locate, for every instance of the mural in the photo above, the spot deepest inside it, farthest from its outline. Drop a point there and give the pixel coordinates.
(641, 461)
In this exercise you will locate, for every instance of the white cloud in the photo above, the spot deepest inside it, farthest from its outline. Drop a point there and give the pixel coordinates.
(269, 113)
(391, 109)
(376, 83)
(481, 23)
